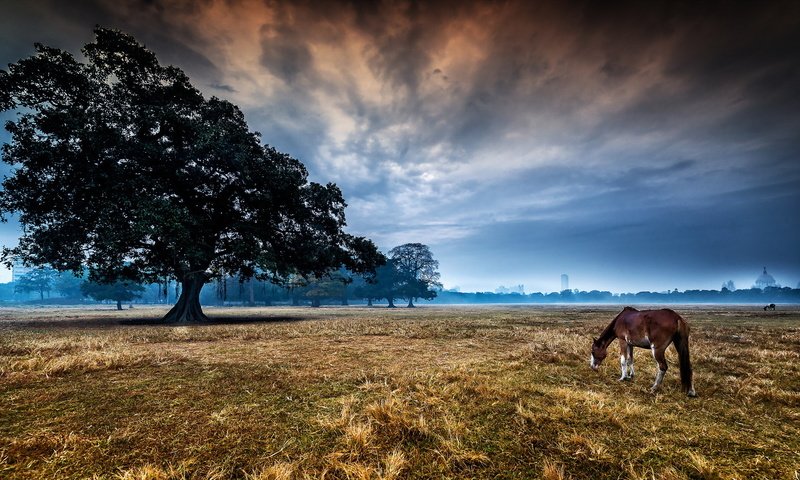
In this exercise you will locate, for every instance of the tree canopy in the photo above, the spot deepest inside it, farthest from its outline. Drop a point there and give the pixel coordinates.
(122, 166)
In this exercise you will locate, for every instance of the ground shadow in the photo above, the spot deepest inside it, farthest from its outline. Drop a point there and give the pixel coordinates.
(226, 320)
(108, 321)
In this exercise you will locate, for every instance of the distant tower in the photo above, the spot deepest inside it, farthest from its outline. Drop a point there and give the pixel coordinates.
(564, 282)
(765, 280)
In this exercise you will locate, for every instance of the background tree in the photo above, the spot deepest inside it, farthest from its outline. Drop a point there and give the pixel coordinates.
(120, 291)
(362, 288)
(39, 280)
(68, 285)
(344, 278)
(417, 270)
(296, 286)
(386, 283)
(325, 287)
(123, 166)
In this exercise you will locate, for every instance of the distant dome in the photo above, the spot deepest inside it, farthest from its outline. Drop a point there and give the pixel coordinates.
(765, 280)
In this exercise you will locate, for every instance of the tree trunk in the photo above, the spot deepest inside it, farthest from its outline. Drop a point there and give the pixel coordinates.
(369, 302)
(188, 309)
(315, 302)
(391, 303)
(119, 304)
(252, 295)
(411, 302)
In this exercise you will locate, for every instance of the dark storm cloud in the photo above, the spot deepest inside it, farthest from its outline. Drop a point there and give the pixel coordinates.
(68, 25)
(542, 132)
(284, 53)
(224, 88)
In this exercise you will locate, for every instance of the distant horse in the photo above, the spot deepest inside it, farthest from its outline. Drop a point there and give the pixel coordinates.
(653, 329)
(771, 306)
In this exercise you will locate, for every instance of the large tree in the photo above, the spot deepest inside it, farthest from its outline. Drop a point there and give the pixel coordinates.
(121, 165)
(417, 271)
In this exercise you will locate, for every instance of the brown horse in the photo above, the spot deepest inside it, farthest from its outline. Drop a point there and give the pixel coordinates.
(653, 329)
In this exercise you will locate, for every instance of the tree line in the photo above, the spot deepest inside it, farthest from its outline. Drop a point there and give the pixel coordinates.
(749, 295)
(409, 273)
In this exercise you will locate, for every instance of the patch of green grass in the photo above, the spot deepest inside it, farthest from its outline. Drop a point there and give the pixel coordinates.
(341, 393)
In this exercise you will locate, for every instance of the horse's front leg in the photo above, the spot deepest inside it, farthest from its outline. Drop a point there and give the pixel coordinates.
(623, 360)
(658, 355)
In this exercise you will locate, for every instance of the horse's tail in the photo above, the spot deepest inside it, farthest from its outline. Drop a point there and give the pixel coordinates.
(681, 341)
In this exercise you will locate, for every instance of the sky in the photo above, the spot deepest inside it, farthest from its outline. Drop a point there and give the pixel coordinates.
(631, 145)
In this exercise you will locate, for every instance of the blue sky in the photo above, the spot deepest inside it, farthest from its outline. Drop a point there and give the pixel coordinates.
(642, 147)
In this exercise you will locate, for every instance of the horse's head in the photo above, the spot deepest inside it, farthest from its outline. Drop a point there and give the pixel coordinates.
(598, 354)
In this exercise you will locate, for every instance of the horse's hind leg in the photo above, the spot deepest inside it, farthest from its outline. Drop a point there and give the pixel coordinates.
(658, 354)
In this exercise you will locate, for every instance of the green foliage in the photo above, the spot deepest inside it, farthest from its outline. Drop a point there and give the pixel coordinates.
(123, 166)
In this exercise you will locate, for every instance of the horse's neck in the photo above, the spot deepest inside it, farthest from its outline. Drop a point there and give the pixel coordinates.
(608, 334)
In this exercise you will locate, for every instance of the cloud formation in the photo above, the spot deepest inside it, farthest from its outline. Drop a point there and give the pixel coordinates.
(537, 137)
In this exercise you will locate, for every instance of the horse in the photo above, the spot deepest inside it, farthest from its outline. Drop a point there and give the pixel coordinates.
(771, 306)
(653, 329)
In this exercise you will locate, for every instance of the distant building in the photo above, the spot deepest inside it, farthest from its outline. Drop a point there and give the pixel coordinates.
(564, 282)
(18, 270)
(765, 280)
(506, 290)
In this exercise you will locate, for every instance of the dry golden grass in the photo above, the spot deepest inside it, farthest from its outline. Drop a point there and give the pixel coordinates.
(358, 393)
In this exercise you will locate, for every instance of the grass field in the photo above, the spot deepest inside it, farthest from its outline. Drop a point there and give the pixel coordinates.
(358, 393)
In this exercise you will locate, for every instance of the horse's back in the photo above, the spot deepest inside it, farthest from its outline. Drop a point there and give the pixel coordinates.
(664, 323)
(646, 326)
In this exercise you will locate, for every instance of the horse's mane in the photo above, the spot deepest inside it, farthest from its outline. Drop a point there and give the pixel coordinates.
(608, 333)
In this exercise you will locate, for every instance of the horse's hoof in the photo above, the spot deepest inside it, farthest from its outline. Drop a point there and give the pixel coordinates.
(691, 393)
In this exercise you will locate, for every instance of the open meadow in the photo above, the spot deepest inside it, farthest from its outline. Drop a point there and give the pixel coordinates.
(372, 393)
